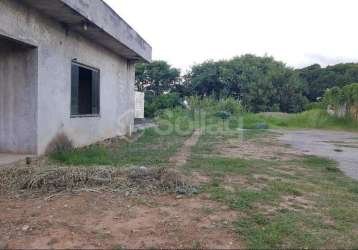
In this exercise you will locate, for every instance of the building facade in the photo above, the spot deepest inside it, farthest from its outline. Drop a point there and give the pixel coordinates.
(66, 67)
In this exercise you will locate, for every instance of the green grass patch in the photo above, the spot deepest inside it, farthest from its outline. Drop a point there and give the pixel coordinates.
(149, 150)
(316, 118)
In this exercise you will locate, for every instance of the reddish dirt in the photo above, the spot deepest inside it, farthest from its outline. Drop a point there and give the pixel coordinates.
(109, 220)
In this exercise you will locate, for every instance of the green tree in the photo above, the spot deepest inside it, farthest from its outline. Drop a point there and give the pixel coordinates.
(261, 83)
(157, 77)
(317, 79)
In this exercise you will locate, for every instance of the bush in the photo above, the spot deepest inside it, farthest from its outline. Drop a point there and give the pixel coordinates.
(315, 105)
(61, 143)
(223, 115)
(340, 96)
(155, 104)
(230, 105)
(212, 105)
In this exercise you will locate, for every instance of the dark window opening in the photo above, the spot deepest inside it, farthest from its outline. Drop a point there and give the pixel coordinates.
(84, 91)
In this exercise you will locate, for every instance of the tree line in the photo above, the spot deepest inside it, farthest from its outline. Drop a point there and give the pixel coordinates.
(261, 84)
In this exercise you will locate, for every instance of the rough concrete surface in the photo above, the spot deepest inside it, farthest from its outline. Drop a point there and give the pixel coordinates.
(18, 84)
(339, 146)
(54, 46)
(6, 159)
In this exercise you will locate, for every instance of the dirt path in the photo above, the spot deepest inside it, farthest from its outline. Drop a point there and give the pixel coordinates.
(184, 153)
(339, 146)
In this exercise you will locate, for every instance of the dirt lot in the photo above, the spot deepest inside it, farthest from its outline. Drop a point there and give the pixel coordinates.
(92, 220)
(254, 191)
(95, 219)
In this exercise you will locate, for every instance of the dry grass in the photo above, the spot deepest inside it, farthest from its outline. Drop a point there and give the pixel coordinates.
(56, 179)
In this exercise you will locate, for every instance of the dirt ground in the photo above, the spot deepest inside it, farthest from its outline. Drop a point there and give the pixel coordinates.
(96, 219)
(107, 220)
(267, 148)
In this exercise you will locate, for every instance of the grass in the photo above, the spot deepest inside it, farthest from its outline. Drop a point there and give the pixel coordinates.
(329, 219)
(318, 119)
(315, 207)
(149, 150)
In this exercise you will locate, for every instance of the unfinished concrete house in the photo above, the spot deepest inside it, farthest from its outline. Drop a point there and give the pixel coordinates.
(66, 67)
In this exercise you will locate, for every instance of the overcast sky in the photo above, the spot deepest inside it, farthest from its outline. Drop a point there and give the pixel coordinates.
(297, 32)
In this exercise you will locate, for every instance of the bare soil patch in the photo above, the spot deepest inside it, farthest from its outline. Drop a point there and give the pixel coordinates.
(198, 178)
(288, 203)
(110, 220)
(265, 148)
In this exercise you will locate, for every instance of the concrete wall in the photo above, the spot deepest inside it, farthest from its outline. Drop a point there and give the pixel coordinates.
(18, 95)
(56, 49)
(103, 16)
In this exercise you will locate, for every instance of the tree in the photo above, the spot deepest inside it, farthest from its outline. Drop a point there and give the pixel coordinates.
(261, 83)
(157, 77)
(317, 79)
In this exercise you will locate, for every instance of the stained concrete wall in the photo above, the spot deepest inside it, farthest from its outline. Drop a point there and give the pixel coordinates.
(18, 95)
(57, 47)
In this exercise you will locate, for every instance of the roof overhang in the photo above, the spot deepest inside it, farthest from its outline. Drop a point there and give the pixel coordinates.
(96, 21)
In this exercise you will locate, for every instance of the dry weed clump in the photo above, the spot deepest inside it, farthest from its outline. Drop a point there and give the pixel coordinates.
(55, 179)
(60, 143)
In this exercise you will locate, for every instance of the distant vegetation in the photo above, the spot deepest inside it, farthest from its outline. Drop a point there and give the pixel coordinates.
(317, 79)
(348, 95)
(260, 84)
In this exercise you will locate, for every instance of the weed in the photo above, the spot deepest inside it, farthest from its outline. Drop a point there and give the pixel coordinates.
(59, 144)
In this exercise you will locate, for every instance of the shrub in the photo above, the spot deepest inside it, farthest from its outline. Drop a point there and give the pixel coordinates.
(230, 105)
(337, 96)
(315, 105)
(213, 105)
(60, 143)
(223, 115)
(155, 104)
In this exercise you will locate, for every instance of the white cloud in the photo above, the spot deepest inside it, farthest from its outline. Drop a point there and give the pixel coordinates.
(298, 32)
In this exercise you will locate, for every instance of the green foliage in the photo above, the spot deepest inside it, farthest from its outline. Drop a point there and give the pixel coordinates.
(262, 83)
(334, 96)
(212, 105)
(315, 105)
(317, 80)
(337, 97)
(157, 77)
(150, 149)
(316, 118)
(155, 104)
(223, 115)
(350, 93)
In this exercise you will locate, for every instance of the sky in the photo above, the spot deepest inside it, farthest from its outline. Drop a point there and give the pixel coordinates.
(297, 32)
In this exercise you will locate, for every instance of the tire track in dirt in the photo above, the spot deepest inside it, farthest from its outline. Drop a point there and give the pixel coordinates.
(182, 156)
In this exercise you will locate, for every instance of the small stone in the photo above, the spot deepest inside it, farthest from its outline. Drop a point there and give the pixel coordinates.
(65, 206)
(127, 194)
(25, 227)
(179, 196)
